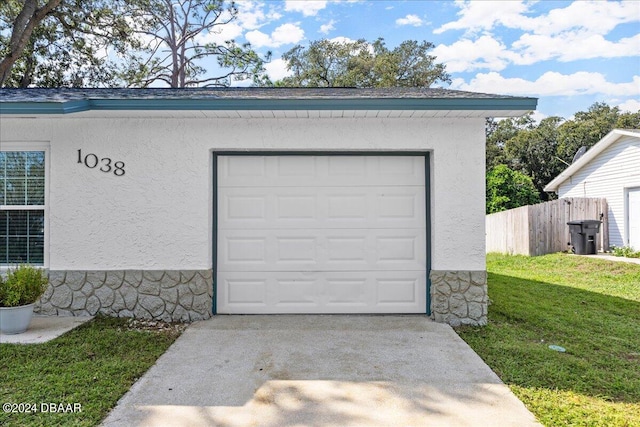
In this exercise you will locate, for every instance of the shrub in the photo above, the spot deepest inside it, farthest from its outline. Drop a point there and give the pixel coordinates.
(508, 189)
(625, 251)
(23, 285)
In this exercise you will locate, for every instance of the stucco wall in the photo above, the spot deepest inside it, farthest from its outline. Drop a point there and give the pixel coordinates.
(158, 215)
(608, 175)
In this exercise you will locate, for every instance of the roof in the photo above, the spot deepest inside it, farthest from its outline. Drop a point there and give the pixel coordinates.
(591, 154)
(71, 100)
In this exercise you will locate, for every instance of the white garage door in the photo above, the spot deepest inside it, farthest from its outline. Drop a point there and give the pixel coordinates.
(321, 234)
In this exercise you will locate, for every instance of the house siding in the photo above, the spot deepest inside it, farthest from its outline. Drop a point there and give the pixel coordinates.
(608, 175)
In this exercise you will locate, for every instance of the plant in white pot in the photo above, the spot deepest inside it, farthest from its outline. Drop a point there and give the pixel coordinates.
(19, 291)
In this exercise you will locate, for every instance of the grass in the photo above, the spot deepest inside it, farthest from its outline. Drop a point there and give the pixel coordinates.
(93, 366)
(592, 309)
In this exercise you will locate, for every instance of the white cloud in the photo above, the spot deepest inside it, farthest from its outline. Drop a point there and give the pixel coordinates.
(550, 83)
(284, 34)
(341, 39)
(258, 38)
(277, 69)
(328, 27)
(250, 14)
(571, 46)
(468, 55)
(287, 34)
(413, 20)
(484, 15)
(221, 34)
(596, 17)
(631, 105)
(306, 7)
(576, 32)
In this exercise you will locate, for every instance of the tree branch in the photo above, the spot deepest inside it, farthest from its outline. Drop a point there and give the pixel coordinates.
(28, 18)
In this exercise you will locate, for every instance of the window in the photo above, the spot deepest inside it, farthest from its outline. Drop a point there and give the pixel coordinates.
(22, 207)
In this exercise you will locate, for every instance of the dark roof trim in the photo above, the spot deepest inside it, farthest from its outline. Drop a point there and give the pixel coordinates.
(67, 107)
(66, 100)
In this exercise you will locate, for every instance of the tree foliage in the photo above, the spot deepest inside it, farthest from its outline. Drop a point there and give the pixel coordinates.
(543, 150)
(326, 63)
(498, 132)
(120, 43)
(533, 152)
(175, 32)
(589, 127)
(61, 43)
(508, 189)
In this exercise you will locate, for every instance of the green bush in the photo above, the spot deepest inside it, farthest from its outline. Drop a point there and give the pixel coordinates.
(23, 285)
(624, 251)
(508, 189)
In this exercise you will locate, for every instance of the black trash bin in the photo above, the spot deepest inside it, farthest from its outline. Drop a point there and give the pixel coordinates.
(583, 235)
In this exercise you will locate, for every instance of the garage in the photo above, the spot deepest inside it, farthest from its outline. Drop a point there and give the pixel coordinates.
(321, 233)
(180, 204)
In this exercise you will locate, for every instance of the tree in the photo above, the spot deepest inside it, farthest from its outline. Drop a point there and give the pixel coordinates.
(498, 132)
(589, 127)
(533, 152)
(175, 30)
(543, 150)
(119, 43)
(62, 43)
(24, 22)
(358, 63)
(508, 189)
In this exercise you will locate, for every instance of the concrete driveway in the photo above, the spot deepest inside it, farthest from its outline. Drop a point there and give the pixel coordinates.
(274, 371)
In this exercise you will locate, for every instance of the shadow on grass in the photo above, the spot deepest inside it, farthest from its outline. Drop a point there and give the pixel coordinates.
(601, 335)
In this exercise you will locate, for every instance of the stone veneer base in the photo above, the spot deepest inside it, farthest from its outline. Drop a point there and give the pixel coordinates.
(168, 295)
(459, 297)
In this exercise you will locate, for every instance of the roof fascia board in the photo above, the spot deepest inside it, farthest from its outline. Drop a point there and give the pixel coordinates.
(50, 107)
(317, 104)
(592, 153)
(416, 104)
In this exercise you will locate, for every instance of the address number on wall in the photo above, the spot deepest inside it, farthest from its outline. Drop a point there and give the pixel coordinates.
(105, 164)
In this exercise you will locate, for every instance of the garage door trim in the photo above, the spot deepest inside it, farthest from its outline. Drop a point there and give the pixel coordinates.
(427, 175)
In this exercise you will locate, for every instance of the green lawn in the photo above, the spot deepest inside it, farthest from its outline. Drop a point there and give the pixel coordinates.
(91, 367)
(588, 306)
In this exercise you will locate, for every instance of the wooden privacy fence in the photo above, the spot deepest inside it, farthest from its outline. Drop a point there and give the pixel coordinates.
(541, 229)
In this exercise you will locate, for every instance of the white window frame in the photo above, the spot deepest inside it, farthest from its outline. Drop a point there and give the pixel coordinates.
(33, 146)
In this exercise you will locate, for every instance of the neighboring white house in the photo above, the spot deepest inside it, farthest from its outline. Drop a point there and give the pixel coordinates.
(610, 169)
(180, 204)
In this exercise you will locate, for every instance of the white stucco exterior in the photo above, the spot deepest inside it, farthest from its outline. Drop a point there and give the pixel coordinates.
(158, 215)
(611, 171)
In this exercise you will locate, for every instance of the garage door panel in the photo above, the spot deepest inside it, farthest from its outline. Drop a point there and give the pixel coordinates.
(248, 249)
(243, 207)
(321, 234)
(323, 292)
(313, 171)
(397, 290)
(321, 207)
(321, 249)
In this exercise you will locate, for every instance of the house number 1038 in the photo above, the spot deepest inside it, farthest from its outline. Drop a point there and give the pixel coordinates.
(106, 164)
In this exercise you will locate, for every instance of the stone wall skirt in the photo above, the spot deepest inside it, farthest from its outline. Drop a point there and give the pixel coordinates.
(169, 295)
(459, 297)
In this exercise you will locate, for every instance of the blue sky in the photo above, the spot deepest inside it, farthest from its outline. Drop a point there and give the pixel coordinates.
(567, 54)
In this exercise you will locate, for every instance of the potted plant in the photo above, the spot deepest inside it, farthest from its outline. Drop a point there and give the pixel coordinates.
(19, 291)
